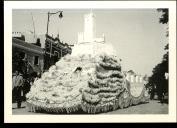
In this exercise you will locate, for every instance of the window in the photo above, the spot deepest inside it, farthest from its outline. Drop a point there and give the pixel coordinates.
(22, 55)
(36, 60)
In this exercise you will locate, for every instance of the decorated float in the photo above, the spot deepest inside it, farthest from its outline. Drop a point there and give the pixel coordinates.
(89, 80)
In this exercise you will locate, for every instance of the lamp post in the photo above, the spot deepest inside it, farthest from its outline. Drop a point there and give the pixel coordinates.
(50, 14)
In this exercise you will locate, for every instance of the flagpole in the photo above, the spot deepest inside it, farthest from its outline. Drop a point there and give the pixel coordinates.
(33, 25)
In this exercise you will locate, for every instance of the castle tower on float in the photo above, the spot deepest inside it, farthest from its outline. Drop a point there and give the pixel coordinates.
(89, 27)
(87, 41)
(89, 34)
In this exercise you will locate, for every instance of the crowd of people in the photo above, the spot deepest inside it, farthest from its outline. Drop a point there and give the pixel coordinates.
(21, 85)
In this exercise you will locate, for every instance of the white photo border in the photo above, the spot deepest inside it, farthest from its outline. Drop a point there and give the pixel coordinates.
(10, 5)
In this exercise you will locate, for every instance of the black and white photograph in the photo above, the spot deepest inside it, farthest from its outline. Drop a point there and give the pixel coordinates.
(91, 61)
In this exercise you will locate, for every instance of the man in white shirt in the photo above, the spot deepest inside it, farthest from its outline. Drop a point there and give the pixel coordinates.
(17, 82)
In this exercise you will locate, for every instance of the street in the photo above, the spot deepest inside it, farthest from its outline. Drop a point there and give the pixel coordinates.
(153, 107)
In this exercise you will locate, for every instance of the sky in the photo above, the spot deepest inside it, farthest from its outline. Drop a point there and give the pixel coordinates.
(135, 34)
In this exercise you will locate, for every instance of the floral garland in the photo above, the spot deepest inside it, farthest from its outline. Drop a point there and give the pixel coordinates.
(36, 106)
(143, 97)
(104, 87)
(59, 89)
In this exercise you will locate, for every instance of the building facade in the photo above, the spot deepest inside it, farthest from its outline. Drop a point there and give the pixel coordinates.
(32, 57)
(54, 50)
(30, 53)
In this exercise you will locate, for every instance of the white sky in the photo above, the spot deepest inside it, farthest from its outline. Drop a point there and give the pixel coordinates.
(135, 33)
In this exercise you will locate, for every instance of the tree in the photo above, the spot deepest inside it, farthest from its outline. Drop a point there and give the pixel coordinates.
(157, 82)
(164, 18)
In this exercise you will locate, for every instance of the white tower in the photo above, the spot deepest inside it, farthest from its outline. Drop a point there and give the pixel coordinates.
(89, 27)
(87, 41)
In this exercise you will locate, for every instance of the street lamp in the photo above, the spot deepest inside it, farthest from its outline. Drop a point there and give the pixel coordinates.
(49, 14)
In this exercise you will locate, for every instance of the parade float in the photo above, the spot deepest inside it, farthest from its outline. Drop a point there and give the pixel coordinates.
(89, 80)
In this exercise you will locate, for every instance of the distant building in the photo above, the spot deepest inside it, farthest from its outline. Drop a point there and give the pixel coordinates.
(40, 57)
(29, 36)
(33, 54)
(18, 35)
(55, 50)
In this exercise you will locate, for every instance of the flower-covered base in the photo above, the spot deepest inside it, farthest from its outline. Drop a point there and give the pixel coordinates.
(36, 106)
(124, 99)
(143, 98)
(92, 109)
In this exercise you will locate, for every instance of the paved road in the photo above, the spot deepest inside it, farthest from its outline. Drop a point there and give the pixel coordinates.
(153, 107)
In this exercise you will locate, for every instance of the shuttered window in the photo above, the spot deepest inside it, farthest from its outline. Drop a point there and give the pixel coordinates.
(36, 60)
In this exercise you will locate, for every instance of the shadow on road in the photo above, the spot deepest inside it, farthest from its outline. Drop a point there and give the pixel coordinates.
(19, 108)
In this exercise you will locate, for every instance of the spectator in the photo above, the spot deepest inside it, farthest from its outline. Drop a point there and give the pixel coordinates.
(33, 76)
(162, 97)
(13, 86)
(26, 87)
(17, 87)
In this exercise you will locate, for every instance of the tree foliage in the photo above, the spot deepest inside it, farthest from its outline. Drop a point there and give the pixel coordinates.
(164, 18)
(157, 82)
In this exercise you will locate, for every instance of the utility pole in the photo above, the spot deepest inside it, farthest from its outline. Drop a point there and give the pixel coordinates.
(33, 26)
